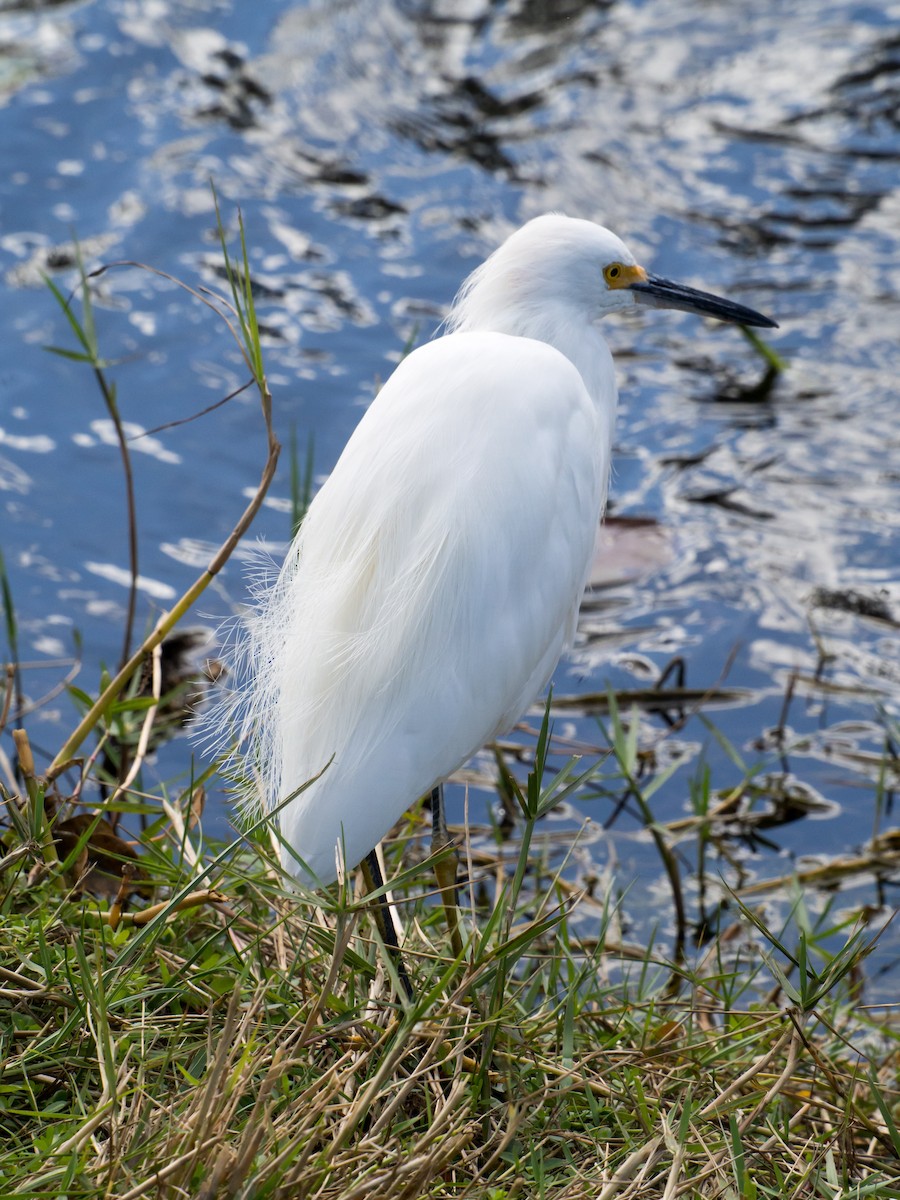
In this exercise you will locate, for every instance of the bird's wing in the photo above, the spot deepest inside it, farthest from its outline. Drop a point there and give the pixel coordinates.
(434, 583)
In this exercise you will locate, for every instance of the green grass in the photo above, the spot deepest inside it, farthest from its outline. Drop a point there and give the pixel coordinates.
(193, 1027)
(245, 1041)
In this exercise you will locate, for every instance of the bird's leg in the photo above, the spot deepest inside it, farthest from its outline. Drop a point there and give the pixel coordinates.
(447, 868)
(385, 922)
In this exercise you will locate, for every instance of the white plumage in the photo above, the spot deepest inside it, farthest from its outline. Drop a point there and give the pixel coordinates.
(437, 576)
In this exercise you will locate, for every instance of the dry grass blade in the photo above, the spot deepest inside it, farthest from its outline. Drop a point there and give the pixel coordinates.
(623, 1182)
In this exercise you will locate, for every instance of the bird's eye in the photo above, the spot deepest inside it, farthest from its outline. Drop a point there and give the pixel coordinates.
(612, 273)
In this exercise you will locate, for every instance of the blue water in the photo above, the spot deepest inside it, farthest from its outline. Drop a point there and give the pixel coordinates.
(377, 152)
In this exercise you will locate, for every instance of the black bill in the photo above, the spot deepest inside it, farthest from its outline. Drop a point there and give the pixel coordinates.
(663, 293)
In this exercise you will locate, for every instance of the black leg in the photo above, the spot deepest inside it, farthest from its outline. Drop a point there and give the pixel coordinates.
(385, 922)
(446, 870)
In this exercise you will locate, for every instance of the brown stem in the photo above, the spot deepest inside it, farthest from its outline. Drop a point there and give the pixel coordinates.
(169, 620)
(112, 408)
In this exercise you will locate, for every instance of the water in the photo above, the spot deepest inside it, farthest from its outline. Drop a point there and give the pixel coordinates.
(377, 152)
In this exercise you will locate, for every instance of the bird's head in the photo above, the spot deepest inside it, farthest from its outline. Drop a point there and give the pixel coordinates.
(557, 268)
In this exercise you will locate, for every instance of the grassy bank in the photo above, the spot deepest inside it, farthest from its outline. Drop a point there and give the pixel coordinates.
(232, 1041)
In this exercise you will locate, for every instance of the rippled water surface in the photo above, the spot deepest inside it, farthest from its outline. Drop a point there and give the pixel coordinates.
(378, 152)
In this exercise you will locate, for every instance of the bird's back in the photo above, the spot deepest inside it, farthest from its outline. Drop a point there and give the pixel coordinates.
(431, 589)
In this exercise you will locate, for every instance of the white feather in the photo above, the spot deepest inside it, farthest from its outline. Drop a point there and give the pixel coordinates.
(437, 577)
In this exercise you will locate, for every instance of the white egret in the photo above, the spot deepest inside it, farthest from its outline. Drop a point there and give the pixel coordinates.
(437, 576)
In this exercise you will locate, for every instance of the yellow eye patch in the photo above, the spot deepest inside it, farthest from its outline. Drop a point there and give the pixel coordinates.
(621, 275)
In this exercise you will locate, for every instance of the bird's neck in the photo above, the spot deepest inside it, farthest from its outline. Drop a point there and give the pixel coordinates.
(579, 340)
(585, 347)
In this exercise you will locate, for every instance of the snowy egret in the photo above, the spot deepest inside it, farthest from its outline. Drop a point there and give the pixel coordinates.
(437, 576)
